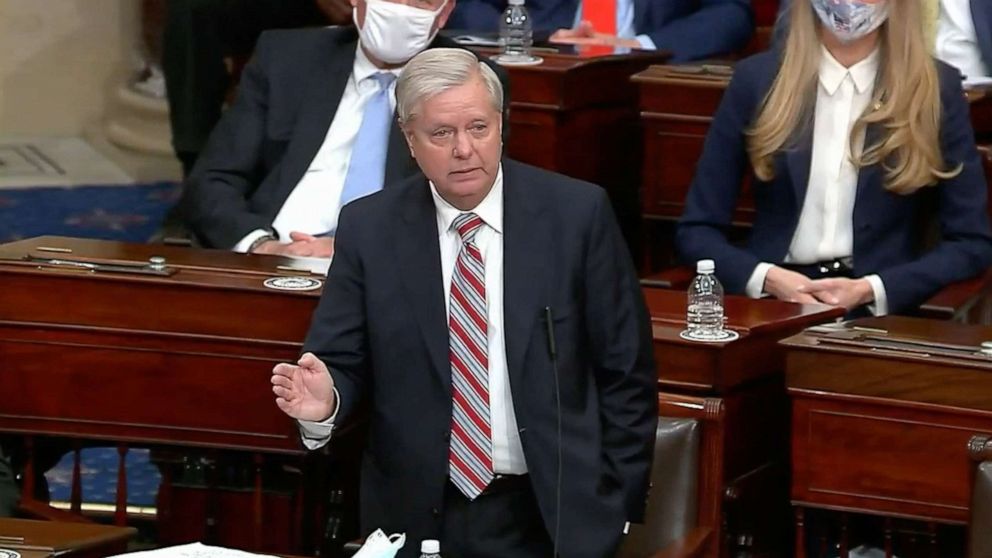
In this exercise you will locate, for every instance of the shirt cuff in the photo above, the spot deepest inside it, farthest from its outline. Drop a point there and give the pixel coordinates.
(755, 287)
(245, 243)
(316, 434)
(646, 42)
(880, 306)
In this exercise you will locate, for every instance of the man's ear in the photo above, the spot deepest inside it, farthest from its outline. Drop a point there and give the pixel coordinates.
(408, 136)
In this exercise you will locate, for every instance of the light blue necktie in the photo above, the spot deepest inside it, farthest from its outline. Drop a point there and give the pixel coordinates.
(368, 155)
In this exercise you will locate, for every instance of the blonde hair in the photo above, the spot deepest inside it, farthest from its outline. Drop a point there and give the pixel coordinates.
(905, 104)
(436, 70)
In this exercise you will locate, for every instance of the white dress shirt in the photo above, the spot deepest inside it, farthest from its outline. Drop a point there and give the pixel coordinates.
(508, 454)
(957, 43)
(825, 230)
(625, 23)
(313, 205)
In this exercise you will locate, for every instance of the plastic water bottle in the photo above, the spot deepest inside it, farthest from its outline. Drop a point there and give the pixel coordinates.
(516, 35)
(704, 315)
(430, 548)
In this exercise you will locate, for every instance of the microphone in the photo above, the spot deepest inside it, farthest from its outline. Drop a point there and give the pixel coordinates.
(553, 351)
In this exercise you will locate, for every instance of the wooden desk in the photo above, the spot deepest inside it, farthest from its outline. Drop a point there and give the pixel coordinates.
(181, 359)
(881, 430)
(43, 539)
(737, 392)
(578, 115)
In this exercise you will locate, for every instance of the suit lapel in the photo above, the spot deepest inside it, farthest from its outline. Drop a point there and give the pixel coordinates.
(399, 163)
(418, 254)
(797, 161)
(526, 248)
(324, 92)
(868, 179)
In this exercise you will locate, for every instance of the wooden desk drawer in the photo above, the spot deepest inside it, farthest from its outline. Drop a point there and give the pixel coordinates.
(887, 457)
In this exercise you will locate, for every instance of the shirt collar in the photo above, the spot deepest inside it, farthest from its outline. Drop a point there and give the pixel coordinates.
(490, 209)
(364, 68)
(832, 73)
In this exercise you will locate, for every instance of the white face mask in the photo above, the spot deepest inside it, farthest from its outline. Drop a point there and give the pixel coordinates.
(395, 33)
(849, 20)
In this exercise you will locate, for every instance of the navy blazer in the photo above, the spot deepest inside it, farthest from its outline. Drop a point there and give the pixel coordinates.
(287, 98)
(689, 29)
(981, 14)
(889, 229)
(381, 328)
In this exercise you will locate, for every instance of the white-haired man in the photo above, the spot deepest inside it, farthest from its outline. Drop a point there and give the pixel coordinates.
(489, 315)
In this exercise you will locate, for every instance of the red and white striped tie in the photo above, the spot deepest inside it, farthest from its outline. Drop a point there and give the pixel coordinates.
(471, 452)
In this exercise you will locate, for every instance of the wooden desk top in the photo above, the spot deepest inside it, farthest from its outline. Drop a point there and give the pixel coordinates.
(198, 295)
(49, 538)
(912, 360)
(717, 367)
(564, 82)
(883, 413)
(188, 352)
(203, 267)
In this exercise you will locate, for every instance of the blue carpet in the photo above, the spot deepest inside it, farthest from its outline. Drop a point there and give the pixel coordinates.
(98, 472)
(130, 213)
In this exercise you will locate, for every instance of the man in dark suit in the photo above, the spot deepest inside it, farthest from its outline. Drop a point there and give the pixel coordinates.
(981, 13)
(689, 29)
(312, 128)
(488, 315)
(198, 36)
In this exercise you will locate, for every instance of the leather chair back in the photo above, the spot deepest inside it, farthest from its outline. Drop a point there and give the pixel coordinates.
(672, 504)
(980, 529)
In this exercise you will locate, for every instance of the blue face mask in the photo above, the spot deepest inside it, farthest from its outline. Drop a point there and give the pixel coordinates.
(849, 20)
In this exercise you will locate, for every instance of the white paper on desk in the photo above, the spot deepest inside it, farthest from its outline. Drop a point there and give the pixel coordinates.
(979, 82)
(313, 265)
(378, 545)
(194, 550)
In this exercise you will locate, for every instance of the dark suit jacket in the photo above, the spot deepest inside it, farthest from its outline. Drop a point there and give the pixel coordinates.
(689, 29)
(981, 14)
(889, 229)
(286, 101)
(381, 327)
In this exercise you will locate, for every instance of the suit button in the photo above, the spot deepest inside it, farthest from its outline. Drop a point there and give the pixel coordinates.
(435, 512)
(447, 436)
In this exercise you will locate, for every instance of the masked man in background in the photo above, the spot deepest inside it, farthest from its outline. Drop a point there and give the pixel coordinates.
(313, 127)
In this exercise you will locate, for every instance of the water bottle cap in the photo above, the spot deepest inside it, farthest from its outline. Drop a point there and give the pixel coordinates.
(705, 266)
(516, 2)
(430, 546)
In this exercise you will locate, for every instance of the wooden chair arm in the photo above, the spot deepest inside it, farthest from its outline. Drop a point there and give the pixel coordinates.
(677, 278)
(692, 545)
(954, 301)
(36, 509)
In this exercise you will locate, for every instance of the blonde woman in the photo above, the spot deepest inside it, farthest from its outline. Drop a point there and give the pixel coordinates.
(858, 142)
